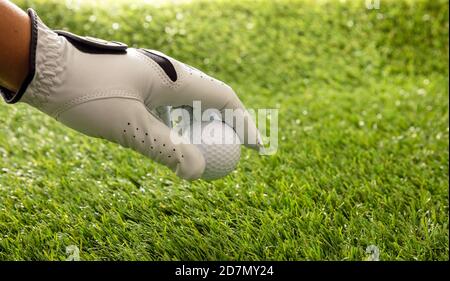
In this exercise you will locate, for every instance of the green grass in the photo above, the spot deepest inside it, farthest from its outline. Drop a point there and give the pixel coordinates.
(363, 154)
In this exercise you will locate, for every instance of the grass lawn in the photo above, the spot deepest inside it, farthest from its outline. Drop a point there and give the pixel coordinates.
(363, 140)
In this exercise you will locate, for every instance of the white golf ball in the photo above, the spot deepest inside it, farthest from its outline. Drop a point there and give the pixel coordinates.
(220, 147)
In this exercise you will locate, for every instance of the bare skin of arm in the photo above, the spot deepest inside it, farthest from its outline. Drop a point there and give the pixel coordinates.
(15, 34)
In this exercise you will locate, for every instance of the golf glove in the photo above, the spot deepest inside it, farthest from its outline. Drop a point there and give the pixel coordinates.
(107, 90)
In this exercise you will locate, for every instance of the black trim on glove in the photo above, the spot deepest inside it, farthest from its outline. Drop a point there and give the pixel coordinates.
(93, 45)
(163, 62)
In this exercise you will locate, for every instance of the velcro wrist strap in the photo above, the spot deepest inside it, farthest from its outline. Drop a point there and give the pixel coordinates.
(92, 45)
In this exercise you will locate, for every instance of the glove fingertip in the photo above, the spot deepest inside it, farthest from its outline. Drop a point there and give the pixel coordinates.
(192, 164)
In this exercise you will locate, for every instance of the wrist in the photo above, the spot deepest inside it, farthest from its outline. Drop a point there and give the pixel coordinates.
(22, 73)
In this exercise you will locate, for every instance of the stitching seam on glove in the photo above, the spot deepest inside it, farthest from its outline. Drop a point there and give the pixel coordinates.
(47, 62)
(118, 93)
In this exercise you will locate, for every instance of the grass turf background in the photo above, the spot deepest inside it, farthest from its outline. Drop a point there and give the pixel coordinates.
(362, 160)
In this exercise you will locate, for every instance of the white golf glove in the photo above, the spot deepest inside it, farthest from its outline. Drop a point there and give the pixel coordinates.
(107, 90)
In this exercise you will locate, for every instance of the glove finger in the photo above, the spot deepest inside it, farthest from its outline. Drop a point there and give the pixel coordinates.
(167, 147)
(213, 94)
(129, 123)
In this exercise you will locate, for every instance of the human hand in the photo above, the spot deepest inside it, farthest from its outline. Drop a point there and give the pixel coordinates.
(107, 90)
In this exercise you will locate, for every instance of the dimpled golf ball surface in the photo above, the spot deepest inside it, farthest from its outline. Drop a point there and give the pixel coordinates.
(220, 147)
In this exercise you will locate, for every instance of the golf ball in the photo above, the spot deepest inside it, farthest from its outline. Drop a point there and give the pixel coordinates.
(219, 145)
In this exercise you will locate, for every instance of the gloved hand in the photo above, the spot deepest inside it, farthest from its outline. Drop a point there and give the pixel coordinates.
(107, 90)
